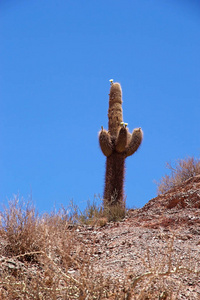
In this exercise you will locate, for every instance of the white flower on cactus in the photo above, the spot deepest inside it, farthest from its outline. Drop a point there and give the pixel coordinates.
(111, 81)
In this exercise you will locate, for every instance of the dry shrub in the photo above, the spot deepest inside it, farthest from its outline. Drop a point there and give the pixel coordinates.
(41, 257)
(92, 214)
(20, 228)
(181, 171)
(115, 213)
(115, 210)
(95, 214)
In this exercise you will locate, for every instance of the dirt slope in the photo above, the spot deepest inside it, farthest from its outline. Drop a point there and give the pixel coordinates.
(153, 254)
(158, 238)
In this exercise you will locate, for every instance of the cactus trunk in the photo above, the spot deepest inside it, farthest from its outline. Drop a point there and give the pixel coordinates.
(114, 179)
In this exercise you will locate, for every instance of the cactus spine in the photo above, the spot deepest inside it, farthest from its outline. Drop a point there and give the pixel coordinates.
(116, 144)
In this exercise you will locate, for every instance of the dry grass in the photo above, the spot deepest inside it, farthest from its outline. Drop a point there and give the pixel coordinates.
(181, 171)
(164, 270)
(42, 257)
(97, 214)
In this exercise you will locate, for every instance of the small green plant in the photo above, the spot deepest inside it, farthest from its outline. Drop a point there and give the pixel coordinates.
(93, 214)
(182, 170)
(116, 212)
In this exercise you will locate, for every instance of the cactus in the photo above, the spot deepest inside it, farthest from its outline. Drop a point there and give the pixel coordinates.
(116, 144)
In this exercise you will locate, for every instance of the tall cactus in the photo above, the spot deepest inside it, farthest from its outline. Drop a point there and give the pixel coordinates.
(116, 144)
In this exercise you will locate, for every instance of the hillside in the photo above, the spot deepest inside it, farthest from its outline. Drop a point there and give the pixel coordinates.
(154, 253)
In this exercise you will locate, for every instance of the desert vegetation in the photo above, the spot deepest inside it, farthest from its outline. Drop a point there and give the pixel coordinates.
(54, 255)
(180, 171)
(37, 254)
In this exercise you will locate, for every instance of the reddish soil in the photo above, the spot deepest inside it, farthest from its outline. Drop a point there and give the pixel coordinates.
(162, 238)
(156, 249)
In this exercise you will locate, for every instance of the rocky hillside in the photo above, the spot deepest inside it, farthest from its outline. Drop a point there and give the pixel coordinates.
(161, 240)
(178, 208)
(153, 254)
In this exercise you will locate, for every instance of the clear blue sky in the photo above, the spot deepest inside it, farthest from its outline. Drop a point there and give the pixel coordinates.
(56, 59)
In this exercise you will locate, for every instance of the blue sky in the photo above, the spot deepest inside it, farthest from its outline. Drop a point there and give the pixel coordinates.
(56, 59)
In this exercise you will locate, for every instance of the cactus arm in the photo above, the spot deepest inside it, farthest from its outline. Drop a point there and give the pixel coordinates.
(121, 140)
(115, 110)
(105, 142)
(134, 142)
